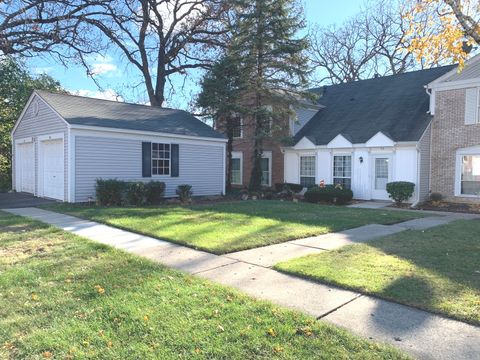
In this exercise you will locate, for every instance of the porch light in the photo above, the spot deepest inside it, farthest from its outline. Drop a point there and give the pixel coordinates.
(361, 159)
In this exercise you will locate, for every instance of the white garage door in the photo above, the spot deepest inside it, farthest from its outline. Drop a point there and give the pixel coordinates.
(52, 168)
(25, 165)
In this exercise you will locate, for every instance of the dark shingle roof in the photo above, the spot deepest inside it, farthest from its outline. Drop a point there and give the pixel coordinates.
(397, 105)
(81, 110)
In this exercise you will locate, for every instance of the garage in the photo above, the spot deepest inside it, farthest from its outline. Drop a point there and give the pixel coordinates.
(51, 168)
(25, 166)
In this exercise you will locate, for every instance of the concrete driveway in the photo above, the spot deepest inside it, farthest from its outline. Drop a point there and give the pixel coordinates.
(21, 200)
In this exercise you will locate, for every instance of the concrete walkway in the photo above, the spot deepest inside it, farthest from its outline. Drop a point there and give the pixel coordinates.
(422, 334)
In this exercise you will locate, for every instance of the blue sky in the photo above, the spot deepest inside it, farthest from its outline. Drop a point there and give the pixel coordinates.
(115, 76)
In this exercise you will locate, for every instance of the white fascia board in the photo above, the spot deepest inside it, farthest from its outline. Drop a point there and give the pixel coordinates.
(452, 85)
(304, 143)
(149, 133)
(380, 140)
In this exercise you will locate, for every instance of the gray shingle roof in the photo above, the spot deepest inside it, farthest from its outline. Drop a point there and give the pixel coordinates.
(397, 105)
(81, 110)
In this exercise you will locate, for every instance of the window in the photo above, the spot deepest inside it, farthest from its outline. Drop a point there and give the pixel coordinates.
(307, 171)
(470, 175)
(160, 159)
(236, 175)
(265, 165)
(237, 123)
(342, 171)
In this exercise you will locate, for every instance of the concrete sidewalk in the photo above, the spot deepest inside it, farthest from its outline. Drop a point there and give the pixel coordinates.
(422, 334)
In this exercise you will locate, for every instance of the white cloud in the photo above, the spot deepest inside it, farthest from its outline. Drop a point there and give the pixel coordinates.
(102, 65)
(108, 94)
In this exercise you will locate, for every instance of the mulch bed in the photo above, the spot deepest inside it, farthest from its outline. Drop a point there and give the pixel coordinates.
(451, 207)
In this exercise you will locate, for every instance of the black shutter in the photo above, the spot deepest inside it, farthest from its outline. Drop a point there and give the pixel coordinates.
(175, 160)
(146, 159)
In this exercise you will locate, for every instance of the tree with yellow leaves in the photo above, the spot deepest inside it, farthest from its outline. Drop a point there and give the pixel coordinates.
(443, 30)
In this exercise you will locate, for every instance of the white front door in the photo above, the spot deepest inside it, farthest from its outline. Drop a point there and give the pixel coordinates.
(381, 176)
(25, 165)
(52, 168)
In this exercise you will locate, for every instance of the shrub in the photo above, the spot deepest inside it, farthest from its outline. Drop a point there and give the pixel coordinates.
(296, 188)
(436, 197)
(184, 192)
(135, 193)
(329, 193)
(109, 192)
(400, 191)
(154, 191)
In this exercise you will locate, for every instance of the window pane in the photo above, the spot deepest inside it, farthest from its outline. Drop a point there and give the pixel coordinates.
(160, 159)
(237, 127)
(381, 173)
(265, 171)
(345, 182)
(307, 181)
(307, 166)
(470, 175)
(236, 171)
(342, 166)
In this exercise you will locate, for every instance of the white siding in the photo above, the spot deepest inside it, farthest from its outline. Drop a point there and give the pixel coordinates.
(291, 167)
(324, 166)
(45, 122)
(406, 167)
(201, 165)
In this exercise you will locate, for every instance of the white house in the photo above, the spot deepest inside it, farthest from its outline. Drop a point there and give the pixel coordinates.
(367, 133)
(63, 143)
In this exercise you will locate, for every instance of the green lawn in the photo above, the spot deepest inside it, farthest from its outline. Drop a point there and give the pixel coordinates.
(437, 269)
(65, 297)
(226, 227)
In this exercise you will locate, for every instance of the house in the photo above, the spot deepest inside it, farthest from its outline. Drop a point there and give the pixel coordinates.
(63, 143)
(367, 133)
(455, 106)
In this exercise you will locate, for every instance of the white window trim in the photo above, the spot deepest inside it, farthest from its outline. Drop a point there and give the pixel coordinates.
(238, 155)
(314, 155)
(169, 160)
(342, 177)
(473, 151)
(268, 155)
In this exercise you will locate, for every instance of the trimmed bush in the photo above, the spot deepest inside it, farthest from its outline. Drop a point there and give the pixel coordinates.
(296, 188)
(400, 191)
(109, 192)
(436, 197)
(184, 192)
(330, 194)
(154, 191)
(135, 193)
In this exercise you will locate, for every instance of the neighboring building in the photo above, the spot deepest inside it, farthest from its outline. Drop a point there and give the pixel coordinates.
(63, 143)
(455, 104)
(369, 133)
(272, 158)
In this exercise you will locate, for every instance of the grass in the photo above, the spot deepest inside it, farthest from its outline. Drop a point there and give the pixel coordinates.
(437, 270)
(65, 297)
(226, 227)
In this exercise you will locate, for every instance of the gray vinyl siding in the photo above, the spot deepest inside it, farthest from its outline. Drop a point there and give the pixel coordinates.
(100, 157)
(424, 149)
(467, 73)
(303, 116)
(44, 123)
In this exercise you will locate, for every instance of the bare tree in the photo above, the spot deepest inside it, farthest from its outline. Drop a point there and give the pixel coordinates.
(464, 14)
(374, 42)
(160, 38)
(343, 52)
(28, 27)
